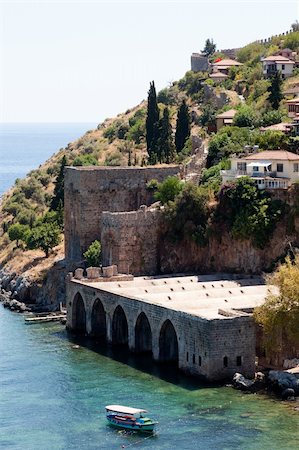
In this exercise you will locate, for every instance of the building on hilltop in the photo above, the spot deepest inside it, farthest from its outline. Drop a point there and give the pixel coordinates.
(277, 169)
(91, 190)
(225, 119)
(277, 63)
(224, 65)
(199, 62)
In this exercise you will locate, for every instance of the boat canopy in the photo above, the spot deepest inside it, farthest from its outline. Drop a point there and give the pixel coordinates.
(124, 409)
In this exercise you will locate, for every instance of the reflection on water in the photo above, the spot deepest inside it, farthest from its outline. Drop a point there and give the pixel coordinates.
(53, 395)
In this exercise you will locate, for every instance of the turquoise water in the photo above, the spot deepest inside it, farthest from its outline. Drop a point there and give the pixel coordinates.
(52, 397)
(24, 146)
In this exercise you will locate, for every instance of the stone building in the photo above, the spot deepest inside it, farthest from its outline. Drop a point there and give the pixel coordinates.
(91, 190)
(200, 323)
(199, 62)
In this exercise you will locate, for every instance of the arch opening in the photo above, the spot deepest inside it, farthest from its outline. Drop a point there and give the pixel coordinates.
(168, 343)
(98, 320)
(119, 327)
(79, 314)
(143, 335)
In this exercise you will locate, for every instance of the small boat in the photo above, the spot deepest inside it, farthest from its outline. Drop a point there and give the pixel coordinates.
(129, 418)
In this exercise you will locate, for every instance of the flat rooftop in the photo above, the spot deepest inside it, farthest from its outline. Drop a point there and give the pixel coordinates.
(207, 296)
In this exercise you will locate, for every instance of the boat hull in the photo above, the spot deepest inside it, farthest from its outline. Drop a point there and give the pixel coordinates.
(131, 425)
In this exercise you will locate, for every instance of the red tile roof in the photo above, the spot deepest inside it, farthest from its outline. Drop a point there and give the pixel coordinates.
(227, 62)
(279, 58)
(273, 155)
(227, 114)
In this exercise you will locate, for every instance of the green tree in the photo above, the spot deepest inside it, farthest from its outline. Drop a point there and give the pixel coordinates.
(152, 120)
(182, 127)
(93, 254)
(17, 232)
(209, 48)
(245, 117)
(45, 237)
(275, 90)
(166, 148)
(58, 195)
(279, 315)
(168, 189)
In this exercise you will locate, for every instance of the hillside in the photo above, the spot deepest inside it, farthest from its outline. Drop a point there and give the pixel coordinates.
(121, 141)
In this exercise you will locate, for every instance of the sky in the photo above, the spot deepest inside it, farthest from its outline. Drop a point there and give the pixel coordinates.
(84, 61)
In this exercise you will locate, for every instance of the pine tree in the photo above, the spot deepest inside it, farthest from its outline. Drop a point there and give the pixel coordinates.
(210, 47)
(58, 195)
(166, 146)
(275, 93)
(152, 120)
(182, 127)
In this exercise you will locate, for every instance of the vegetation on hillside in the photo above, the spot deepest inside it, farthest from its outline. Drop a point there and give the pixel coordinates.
(158, 131)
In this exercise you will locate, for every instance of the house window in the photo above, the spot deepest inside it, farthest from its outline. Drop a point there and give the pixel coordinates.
(225, 361)
(279, 167)
(199, 360)
(296, 167)
(255, 168)
(282, 67)
(241, 166)
(239, 360)
(187, 356)
(193, 359)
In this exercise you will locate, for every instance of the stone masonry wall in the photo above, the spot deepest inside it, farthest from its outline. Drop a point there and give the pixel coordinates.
(202, 344)
(130, 240)
(90, 191)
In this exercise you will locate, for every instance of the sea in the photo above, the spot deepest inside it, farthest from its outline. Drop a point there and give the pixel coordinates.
(54, 386)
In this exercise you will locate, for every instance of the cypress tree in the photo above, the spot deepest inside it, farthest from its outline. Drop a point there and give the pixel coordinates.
(275, 94)
(182, 127)
(152, 120)
(167, 151)
(58, 195)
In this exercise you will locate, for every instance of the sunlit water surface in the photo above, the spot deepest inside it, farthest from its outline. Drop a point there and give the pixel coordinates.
(52, 397)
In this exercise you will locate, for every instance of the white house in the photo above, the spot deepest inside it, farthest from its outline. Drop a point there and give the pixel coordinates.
(271, 169)
(277, 63)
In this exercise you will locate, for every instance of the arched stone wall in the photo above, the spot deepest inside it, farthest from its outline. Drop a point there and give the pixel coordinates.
(120, 333)
(79, 314)
(98, 320)
(168, 343)
(143, 334)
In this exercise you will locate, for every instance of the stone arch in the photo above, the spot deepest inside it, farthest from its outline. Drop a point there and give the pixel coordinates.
(98, 320)
(119, 327)
(79, 314)
(168, 343)
(143, 334)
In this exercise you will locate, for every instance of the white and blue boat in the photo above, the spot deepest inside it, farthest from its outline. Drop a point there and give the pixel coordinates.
(129, 418)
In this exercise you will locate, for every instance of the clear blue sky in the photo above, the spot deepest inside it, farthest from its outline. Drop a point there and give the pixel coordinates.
(83, 61)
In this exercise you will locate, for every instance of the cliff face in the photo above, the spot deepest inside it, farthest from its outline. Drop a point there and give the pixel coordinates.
(225, 254)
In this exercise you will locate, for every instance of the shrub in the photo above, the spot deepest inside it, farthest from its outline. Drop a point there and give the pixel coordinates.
(248, 212)
(271, 118)
(114, 159)
(93, 254)
(168, 190)
(85, 160)
(187, 215)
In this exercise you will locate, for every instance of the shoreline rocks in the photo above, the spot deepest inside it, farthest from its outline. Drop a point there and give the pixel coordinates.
(284, 384)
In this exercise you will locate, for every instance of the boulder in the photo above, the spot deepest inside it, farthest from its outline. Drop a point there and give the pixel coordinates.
(280, 381)
(242, 383)
(288, 394)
